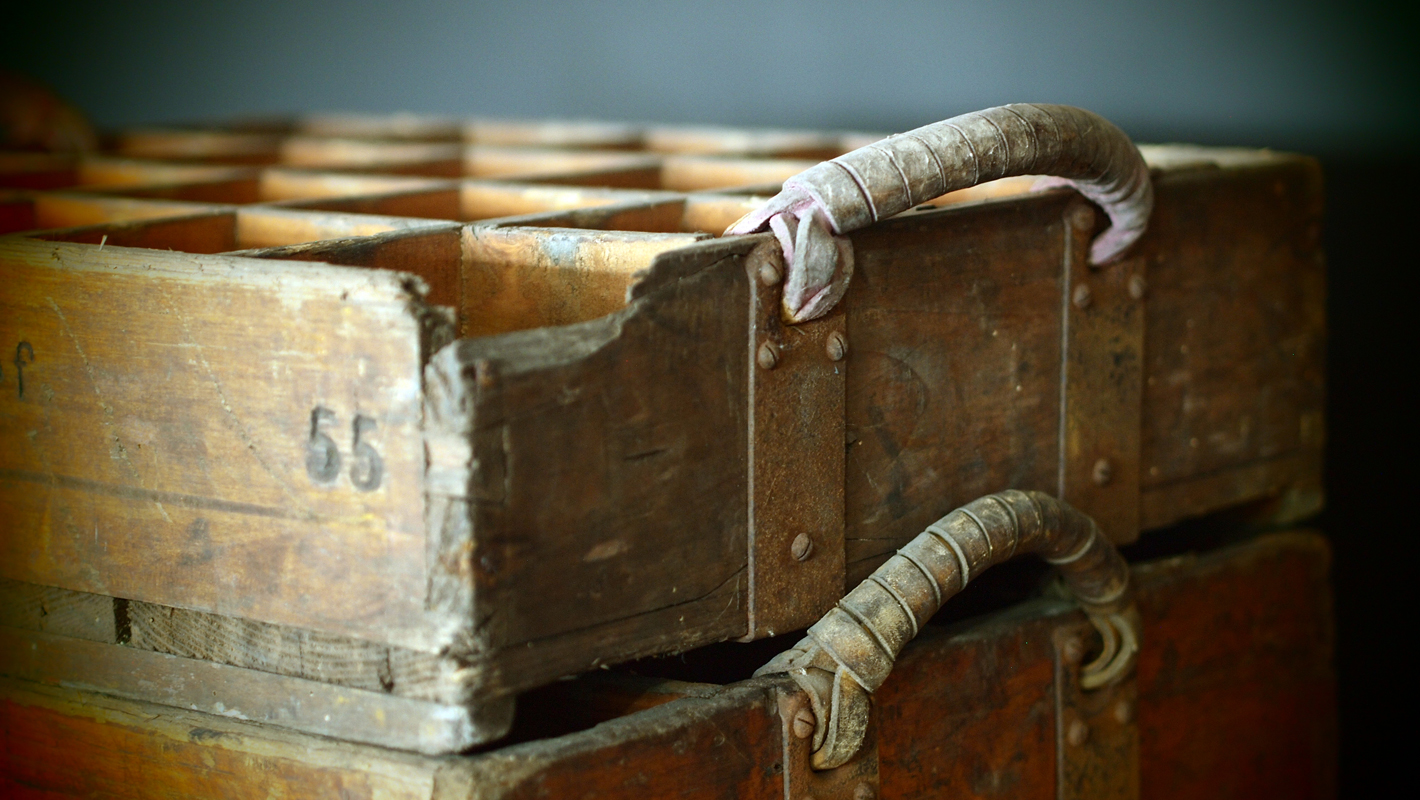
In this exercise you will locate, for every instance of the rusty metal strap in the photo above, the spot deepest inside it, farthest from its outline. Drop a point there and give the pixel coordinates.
(848, 653)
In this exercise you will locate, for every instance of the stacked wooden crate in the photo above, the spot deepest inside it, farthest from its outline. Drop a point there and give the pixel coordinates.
(363, 426)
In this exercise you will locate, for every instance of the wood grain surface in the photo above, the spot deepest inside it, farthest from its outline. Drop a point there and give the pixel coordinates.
(158, 450)
(1235, 699)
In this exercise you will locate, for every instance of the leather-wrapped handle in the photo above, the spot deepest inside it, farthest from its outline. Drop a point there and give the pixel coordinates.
(1075, 146)
(848, 653)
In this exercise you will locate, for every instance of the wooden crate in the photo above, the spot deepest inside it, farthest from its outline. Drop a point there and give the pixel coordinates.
(1234, 698)
(425, 415)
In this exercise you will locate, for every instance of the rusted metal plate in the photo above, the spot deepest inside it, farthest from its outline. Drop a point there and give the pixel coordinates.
(855, 780)
(1101, 381)
(1097, 740)
(796, 454)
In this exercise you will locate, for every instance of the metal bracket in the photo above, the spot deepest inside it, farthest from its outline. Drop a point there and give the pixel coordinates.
(796, 456)
(1102, 374)
(1096, 738)
(855, 780)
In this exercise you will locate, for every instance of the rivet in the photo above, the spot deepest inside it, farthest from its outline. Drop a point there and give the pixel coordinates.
(837, 346)
(802, 548)
(768, 355)
(1102, 472)
(803, 724)
(1082, 295)
(1078, 733)
(1073, 650)
(1137, 286)
(769, 273)
(1082, 217)
(1123, 711)
(864, 792)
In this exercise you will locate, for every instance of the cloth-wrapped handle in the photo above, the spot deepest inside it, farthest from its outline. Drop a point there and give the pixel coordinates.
(826, 201)
(848, 653)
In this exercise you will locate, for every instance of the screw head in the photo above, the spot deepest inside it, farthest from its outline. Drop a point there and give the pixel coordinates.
(1082, 217)
(1078, 733)
(1123, 712)
(769, 273)
(1102, 472)
(803, 724)
(1073, 650)
(768, 356)
(1138, 287)
(802, 548)
(837, 346)
(1082, 296)
(864, 792)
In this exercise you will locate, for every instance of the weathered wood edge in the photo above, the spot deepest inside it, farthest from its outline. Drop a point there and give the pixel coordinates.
(459, 472)
(304, 705)
(193, 751)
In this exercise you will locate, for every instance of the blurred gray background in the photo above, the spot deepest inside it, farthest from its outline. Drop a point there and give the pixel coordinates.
(1286, 74)
(1335, 80)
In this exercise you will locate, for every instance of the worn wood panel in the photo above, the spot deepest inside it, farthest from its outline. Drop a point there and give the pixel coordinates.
(953, 369)
(109, 171)
(205, 233)
(422, 203)
(486, 199)
(278, 183)
(724, 746)
(403, 158)
(434, 253)
(267, 226)
(697, 173)
(1235, 333)
(520, 278)
(578, 167)
(295, 652)
(646, 538)
(230, 147)
(973, 714)
(61, 612)
(159, 449)
(72, 209)
(1236, 689)
(62, 743)
(341, 712)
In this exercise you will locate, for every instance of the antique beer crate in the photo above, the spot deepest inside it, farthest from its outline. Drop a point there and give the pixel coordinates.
(362, 427)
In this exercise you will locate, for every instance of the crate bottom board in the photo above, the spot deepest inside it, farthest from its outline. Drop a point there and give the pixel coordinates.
(303, 705)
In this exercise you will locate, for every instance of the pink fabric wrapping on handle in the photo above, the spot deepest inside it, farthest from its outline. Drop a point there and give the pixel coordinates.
(817, 206)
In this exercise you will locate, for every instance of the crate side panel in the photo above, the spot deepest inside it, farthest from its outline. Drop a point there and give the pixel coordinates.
(162, 446)
(1235, 332)
(953, 367)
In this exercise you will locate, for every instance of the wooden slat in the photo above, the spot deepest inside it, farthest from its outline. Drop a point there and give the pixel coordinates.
(1237, 695)
(230, 147)
(205, 232)
(434, 253)
(644, 549)
(1235, 336)
(310, 706)
(698, 173)
(953, 369)
(159, 449)
(57, 742)
(520, 278)
(78, 615)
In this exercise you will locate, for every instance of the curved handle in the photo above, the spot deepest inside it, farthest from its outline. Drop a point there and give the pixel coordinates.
(888, 177)
(848, 654)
